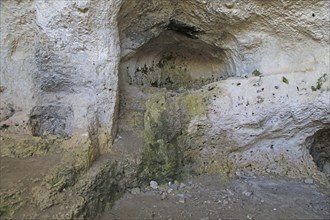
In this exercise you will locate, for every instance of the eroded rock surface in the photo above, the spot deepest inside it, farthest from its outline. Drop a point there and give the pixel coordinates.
(222, 129)
(161, 90)
(59, 53)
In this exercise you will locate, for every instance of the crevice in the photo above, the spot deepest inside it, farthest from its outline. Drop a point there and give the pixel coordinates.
(184, 29)
(320, 150)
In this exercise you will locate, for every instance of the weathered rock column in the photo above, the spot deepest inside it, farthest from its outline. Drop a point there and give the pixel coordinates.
(59, 66)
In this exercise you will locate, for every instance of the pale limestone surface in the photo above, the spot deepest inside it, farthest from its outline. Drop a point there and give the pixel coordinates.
(76, 69)
(63, 58)
(63, 54)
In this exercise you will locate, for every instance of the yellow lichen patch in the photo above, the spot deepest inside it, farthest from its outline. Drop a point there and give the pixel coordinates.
(82, 151)
(14, 145)
(155, 105)
(167, 121)
(216, 167)
(195, 104)
(105, 141)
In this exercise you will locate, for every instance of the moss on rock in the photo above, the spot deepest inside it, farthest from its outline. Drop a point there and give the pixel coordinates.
(166, 136)
(14, 145)
(161, 159)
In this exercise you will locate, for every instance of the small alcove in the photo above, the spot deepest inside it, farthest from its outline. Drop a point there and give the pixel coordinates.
(320, 150)
(176, 59)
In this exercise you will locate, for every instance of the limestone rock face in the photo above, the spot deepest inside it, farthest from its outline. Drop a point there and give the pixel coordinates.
(260, 124)
(274, 56)
(245, 83)
(271, 36)
(59, 62)
(279, 117)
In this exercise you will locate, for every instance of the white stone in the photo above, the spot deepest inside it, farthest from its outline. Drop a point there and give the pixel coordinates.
(169, 190)
(309, 181)
(247, 193)
(182, 200)
(153, 184)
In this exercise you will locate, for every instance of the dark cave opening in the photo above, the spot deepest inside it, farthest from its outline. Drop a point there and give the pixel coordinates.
(320, 150)
(182, 28)
(175, 61)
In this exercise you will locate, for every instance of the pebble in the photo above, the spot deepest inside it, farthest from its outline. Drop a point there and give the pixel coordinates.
(153, 184)
(169, 190)
(309, 181)
(175, 186)
(249, 217)
(164, 195)
(245, 174)
(181, 195)
(135, 191)
(247, 193)
(181, 200)
(225, 202)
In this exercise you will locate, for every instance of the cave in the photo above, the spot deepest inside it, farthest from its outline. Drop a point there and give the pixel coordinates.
(320, 150)
(215, 109)
(176, 60)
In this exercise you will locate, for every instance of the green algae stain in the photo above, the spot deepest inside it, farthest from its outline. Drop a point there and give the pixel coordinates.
(195, 104)
(256, 73)
(285, 80)
(161, 158)
(320, 81)
(165, 132)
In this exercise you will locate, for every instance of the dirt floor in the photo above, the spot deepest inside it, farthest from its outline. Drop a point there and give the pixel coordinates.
(204, 197)
(208, 197)
(18, 177)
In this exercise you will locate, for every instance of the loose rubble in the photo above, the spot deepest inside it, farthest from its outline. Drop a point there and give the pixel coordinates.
(209, 197)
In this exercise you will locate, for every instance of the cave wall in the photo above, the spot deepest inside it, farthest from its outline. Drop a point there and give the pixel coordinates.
(274, 56)
(59, 62)
(256, 125)
(271, 36)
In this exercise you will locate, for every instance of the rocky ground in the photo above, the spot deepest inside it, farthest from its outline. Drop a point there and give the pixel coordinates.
(19, 176)
(39, 179)
(209, 197)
